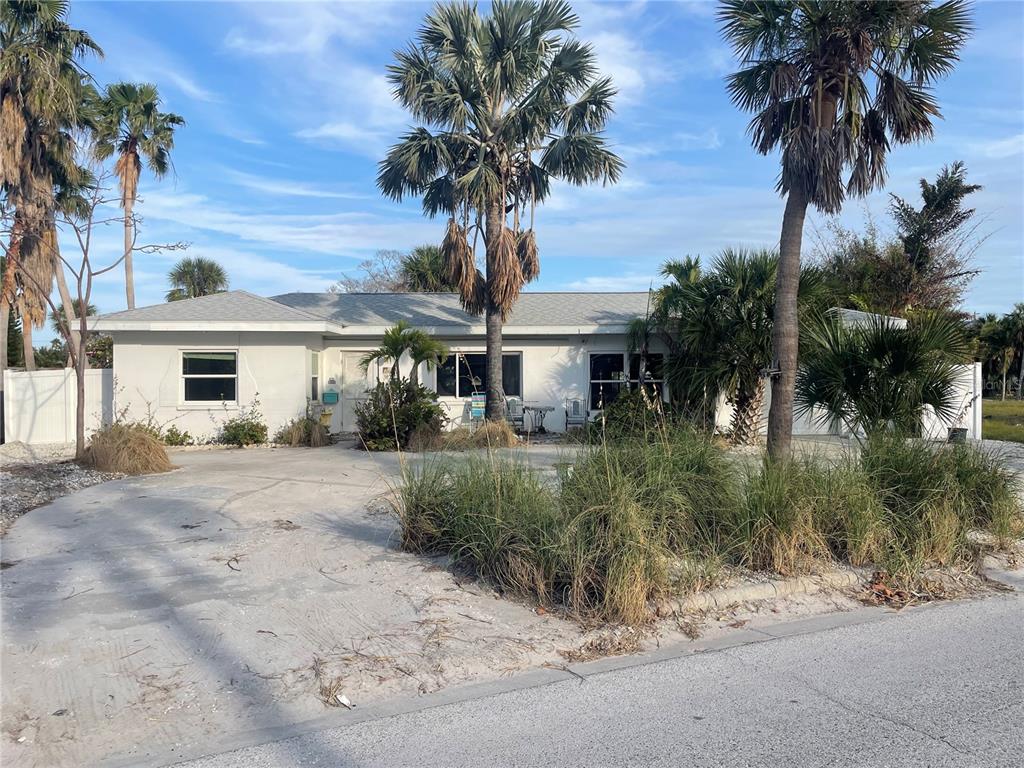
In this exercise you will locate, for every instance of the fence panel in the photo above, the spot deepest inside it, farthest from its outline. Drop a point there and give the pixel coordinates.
(39, 406)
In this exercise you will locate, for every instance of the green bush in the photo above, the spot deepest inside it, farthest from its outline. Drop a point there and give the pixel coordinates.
(394, 411)
(634, 414)
(247, 428)
(175, 437)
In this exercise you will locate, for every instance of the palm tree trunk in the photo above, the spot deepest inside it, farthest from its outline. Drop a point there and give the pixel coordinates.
(69, 305)
(129, 268)
(786, 326)
(1006, 369)
(746, 414)
(495, 385)
(26, 343)
(1020, 376)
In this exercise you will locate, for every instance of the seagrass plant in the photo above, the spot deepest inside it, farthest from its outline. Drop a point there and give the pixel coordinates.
(507, 101)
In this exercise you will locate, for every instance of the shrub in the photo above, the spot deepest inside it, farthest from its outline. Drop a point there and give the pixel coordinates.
(634, 414)
(393, 411)
(303, 431)
(175, 437)
(247, 428)
(128, 449)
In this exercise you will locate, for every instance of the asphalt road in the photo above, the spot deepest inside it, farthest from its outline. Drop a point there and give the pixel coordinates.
(941, 685)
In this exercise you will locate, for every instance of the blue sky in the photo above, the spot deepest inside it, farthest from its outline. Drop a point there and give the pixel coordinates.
(289, 111)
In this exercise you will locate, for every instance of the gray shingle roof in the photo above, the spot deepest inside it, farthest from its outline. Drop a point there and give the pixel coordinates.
(230, 306)
(351, 310)
(443, 309)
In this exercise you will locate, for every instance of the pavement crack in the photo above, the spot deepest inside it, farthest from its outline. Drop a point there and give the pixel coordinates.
(858, 708)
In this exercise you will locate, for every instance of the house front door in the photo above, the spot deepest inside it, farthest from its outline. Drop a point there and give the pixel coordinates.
(354, 383)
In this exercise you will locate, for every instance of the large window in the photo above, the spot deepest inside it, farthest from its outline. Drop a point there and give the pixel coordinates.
(465, 373)
(210, 376)
(608, 375)
(654, 375)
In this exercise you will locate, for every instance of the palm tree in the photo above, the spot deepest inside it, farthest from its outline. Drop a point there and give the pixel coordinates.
(879, 376)
(423, 270)
(507, 102)
(195, 276)
(724, 320)
(832, 85)
(424, 348)
(402, 338)
(43, 90)
(59, 316)
(132, 126)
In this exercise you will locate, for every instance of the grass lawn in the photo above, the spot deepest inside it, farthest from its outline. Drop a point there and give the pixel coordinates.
(1003, 420)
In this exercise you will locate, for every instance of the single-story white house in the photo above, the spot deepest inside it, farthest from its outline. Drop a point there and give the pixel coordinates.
(194, 363)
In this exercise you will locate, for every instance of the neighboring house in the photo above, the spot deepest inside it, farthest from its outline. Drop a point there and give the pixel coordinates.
(192, 363)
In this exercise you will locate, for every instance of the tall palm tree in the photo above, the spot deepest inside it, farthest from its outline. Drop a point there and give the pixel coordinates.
(878, 376)
(832, 85)
(132, 126)
(507, 102)
(195, 276)
(424, 270)
(43, 90)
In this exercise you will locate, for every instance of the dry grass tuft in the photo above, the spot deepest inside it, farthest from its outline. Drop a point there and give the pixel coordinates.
(128, 449)
(491, 434)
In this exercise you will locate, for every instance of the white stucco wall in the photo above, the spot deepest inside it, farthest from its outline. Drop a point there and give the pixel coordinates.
(276, 367)
(554, 369)
(271, 366)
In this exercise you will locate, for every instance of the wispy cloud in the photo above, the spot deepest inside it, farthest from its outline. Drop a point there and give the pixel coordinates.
(309, 28)
(289, 188)
(999, 149)
(339, 234)
(627, 282)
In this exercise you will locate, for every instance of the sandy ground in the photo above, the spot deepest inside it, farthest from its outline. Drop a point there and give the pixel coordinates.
(242, 590)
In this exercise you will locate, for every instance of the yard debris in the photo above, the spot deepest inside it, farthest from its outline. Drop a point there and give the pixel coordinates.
(615, 642)
(286, 525)
(880, 593)
(190, 526)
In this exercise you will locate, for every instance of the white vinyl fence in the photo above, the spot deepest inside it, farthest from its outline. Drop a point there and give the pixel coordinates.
(39, 406)
(968, 398)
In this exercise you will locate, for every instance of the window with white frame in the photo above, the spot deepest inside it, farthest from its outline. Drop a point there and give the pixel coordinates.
(464, 373)
(210, 376)
(314, 375)
(653, 372)
(607, 377)
(609, 374)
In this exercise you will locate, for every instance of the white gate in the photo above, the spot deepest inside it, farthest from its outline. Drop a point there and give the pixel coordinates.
(39, 406)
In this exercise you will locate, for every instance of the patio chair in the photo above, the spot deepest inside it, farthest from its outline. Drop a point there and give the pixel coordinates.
(575, 413)
(515, 414)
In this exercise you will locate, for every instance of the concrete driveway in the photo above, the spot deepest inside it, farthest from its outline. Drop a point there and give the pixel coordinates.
(156, 615)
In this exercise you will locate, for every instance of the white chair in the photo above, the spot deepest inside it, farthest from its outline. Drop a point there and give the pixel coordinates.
(575, 413)
(514, 413)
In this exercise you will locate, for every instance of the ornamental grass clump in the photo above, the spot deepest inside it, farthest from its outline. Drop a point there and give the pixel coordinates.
(127, 449)
(601, 541)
